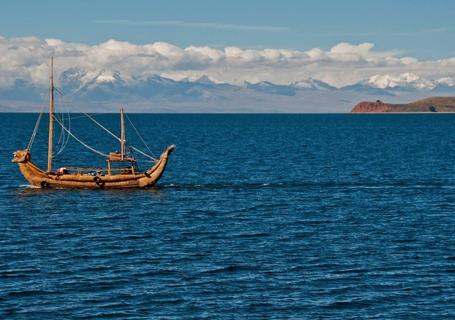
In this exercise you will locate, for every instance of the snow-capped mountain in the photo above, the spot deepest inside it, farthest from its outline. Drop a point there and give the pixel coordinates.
(445, 83)
(202, 79)
(110, 87)
(271, 88)
(312, 84)
(406, 81)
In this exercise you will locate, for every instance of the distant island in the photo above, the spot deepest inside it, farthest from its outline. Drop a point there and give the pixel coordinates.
(432, 104)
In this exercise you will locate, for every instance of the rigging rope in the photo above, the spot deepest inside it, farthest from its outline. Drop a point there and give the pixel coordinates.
(80, 141)
(99, 124)
(143, 153)
(152, 156)
(62, 136)
(65, 141)
(96, 122)
(79, 117)
(140, 137)
(35, 131)
(62, 132)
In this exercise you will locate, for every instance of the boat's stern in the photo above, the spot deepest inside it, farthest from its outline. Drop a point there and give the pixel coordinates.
(152, 175)
(169, 149)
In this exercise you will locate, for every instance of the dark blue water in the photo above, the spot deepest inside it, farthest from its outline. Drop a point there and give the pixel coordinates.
(257, 216)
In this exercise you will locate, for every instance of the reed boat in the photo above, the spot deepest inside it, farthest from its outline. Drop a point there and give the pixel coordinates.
(122, 170)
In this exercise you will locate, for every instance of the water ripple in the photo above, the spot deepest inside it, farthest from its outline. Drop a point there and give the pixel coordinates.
(325, 216)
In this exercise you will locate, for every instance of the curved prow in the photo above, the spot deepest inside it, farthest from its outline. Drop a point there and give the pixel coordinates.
(169, 149)
(154, 173)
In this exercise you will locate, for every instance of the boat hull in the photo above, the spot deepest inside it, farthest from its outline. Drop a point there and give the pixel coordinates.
(39, 178)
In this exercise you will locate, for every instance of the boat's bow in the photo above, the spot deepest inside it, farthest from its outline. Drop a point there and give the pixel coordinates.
(34, 175)
(21, 156)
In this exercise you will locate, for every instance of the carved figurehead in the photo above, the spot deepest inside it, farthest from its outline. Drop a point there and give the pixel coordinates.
(21, 156)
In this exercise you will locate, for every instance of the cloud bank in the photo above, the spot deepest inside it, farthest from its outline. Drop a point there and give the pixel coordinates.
(27, 58)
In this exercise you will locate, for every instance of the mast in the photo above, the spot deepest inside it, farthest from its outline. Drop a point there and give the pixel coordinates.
(51, 118)
(122, 135)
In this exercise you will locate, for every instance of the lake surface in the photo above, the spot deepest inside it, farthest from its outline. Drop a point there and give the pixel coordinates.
(257, 216)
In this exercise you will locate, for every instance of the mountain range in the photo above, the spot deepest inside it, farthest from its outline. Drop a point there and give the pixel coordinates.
(108, 90)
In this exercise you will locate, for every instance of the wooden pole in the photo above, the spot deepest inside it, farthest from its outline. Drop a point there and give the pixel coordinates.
(122, 135)
(51, 119)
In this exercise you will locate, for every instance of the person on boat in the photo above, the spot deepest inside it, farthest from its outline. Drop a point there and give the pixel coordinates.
(61, 171)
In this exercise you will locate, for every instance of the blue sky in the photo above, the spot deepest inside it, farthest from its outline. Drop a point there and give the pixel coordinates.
(422, 29)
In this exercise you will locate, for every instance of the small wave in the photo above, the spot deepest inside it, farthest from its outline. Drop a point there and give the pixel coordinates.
(348, 304)
(278, 185)
(302, 185)
(18, 272)
(158, 272)
(29, 186)
(28, 293)
(229, 269)
(252, 235)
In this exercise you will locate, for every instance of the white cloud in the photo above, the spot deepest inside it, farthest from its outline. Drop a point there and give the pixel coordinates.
(27, 58)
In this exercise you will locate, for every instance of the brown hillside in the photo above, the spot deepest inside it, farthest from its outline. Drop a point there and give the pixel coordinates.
(432, 104)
